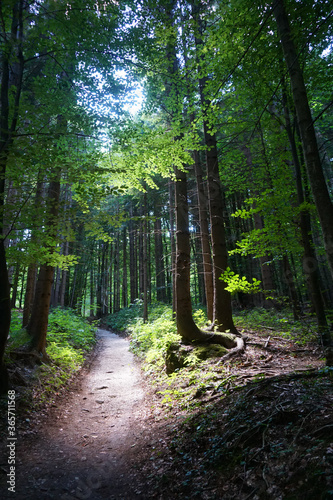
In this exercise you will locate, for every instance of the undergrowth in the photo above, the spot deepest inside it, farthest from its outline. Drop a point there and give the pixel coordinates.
(228, 439)
(183, 388)
(280, 322)
(69, 339)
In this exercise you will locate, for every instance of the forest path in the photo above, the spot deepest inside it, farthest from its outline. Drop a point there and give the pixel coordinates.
(85, 447)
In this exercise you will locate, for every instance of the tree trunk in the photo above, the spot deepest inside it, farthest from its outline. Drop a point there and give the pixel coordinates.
(145, 259)
(133, 260)
(159, 257)
(124, 291)
(222, 311)
(173, 248)
(204, 235)
(111, 279)
(222, 298)
(310, 263)
(11, 84)
(307, 132)
(64, 274)
(15, 285)
(99, 284)
(186, 326)
(37, 326)
(116, 277)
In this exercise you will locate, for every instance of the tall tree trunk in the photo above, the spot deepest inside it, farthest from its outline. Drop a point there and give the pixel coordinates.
(15, 285)
(159, 256)
(204, 235)
(64, 275)
(173, 247)
(99, 283)
(124, 291)
(133, 259)
(310, 262)
(116, 278)
(307, 132)
(222, 298)
(111, 270)
(32, 269)
(185, 323)
(145, 259)
(186, 326)
(11, 83)
(37, 326)
(222, 311)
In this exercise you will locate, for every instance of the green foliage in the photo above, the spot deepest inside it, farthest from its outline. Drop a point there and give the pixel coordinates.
(281, 322)
(69, 338)
(122, 320)
(69, 330)
(18, 336)
(151, 340)
(237, 284)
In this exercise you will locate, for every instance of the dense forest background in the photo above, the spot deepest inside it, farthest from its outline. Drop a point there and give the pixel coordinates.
(149, 148)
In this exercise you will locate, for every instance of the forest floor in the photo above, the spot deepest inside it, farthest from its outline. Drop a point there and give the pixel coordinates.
(263, 431)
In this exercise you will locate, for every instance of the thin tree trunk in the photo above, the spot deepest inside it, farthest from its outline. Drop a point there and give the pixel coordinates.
(99, 284)
(159, 257)
(64, 274)
(145, 259)
(124, 291)
(133, 260)
(111, 270)
(173, 247)
(15, 285)
(116, 282)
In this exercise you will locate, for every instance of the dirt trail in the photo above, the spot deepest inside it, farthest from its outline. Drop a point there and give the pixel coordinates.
(85, 448)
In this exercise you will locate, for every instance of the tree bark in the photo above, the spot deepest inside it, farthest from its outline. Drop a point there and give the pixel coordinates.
(159, 257)
(204, 235)
(173, 247)
(222, 311)
(310, 262)
(133, 257)
(186, 326)
(124, 291)
(145, 259)
(10, 82)
(307, 132)
(37, 326)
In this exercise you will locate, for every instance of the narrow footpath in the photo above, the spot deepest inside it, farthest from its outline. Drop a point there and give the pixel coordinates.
(85, 447)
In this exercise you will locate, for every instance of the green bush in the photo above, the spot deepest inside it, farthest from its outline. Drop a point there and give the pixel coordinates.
(65, 327)
(122, 320)
(150, 340)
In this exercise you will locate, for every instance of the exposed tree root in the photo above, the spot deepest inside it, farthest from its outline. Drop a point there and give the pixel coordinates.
(240, 347)
(31, 356)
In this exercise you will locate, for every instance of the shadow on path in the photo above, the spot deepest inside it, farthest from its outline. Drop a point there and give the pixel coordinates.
(85, 447)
